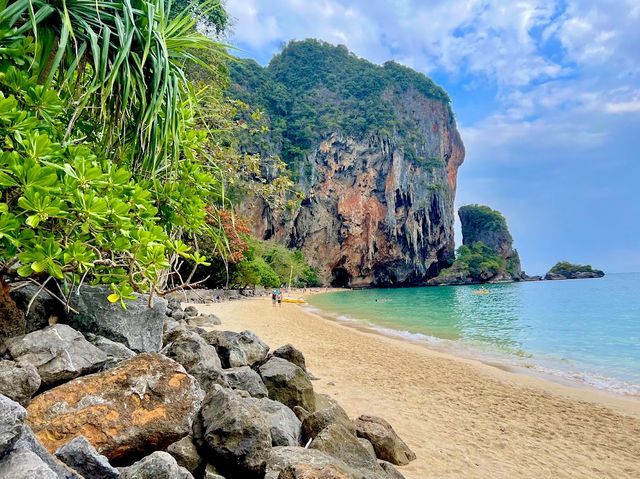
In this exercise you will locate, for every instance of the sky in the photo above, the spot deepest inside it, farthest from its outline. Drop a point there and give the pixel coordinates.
(546, 95)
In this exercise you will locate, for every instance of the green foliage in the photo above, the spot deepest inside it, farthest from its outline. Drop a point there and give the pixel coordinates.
(270, 264)
(565, 268)
(118, 66)
(483, 218)
(107, 169)
(479, 262)
(312, 88)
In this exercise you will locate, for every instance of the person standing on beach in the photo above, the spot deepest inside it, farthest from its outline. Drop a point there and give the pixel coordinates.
(273, 298)
(280, 298)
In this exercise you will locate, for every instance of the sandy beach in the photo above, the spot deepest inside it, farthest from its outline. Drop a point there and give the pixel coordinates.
(463, 418)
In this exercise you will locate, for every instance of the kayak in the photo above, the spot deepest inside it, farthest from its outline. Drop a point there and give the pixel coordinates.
(481, 291)
(290, 300)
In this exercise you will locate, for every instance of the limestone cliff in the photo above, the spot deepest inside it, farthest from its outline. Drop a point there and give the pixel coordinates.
(378, 207)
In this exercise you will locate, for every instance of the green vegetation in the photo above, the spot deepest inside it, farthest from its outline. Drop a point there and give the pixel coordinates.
(478, 263)
(567, 269)
(483, 218)
(270, 264)
(112, 168)
(312, 88)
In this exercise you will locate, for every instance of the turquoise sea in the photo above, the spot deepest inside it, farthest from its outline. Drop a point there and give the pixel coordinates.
(582, 331)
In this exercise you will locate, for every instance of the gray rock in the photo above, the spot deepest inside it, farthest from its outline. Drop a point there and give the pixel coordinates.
(198, 357)
(59, 352)
(291, 354)
(299, 463)
(390, 469)
(29, 442)
(211, 473)
(336, 441)
(206, 320)
(174, 331)
(115, 352)
(365, 443)
(138, 327)
(45, 309)
(237, 349)
(190, 349)
(191, 311)
(186, 455)
(174, 305)
(159, 465)
(315, 422)
(234, 432)
(81, 456)
(12, 416)
(288, 384)
(18, 381)
(388, 446)
(246, 379)
(178, 315)
(24, 464)
(283, 423)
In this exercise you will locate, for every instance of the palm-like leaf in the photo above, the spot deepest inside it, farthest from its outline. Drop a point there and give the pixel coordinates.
(118, 62)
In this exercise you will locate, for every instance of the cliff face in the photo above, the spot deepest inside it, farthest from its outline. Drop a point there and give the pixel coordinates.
(372, 217)
(376, 152)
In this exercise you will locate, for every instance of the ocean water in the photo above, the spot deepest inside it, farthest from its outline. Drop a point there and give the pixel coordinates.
(584, 331)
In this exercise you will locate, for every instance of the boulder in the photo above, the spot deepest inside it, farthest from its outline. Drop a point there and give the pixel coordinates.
(191, 311)
(283, 423)
(178, 315)
(116, 352)
(234, 433)
(138, 327)
(237, 349)
(388, 446)
(392, 472)
(159, 465)
(81, 456)
(246, 379)
(142, 405)
(189, 349)
(198, 358)
(12, 416)
(315, 422)
(211, 473)
(288, 384)
(300, 463)
(186, 455)
(206, 320)
(58, 352)
(337, 441)
(174, 331)
(24, 464)
(292, 355)
(368, 446)
(29, 442)
(45, 309)
(18, 381)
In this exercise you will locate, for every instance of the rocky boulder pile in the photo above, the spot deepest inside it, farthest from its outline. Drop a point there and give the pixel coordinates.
(166, 393)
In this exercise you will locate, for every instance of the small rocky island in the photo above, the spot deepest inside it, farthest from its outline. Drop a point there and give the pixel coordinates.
(487, 254)
(566, 270)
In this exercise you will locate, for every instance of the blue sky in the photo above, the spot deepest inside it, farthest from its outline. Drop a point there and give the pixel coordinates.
(546, 95)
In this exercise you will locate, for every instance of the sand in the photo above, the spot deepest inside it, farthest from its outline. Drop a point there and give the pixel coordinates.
(462, 418)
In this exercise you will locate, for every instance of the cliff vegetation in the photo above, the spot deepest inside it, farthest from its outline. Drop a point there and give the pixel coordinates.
(313, 88)
(487, 252)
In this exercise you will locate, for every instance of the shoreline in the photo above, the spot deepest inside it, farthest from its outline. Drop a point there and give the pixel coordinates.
(463, 418)
(455, 350)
